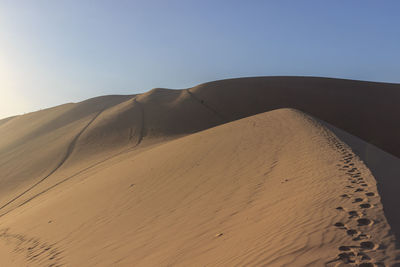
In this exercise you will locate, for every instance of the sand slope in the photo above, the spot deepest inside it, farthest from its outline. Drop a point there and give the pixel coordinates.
(139, 180)
(264, 190)
(72, 137)
(36, 145)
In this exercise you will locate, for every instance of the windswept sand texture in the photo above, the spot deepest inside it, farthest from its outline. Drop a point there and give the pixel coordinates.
(173, 178)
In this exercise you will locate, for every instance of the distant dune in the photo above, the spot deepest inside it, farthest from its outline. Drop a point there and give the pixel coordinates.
(267, 171)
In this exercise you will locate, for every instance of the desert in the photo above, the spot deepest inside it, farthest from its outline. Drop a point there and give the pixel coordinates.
(265, 171)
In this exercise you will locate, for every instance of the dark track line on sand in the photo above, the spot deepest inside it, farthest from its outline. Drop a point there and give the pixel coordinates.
(202, 102)
(64, 159)
(68, 178)
(141, 133)
(90, 167)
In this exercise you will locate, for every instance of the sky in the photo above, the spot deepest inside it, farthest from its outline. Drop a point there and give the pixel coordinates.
(58, 51)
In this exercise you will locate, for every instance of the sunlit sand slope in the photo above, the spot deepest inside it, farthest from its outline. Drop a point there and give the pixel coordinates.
(35, 146)
(42, 149)
(275, 189)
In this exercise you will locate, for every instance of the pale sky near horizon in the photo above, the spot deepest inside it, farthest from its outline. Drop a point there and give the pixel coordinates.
(58, 51)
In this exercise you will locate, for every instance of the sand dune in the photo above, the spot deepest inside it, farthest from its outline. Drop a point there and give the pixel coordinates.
(171, 177)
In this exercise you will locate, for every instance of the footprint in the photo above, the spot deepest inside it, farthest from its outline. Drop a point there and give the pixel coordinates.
(351, 232)
(345, 195)
(339, 224)
(370, 194)
(367, 245)
(365, 206)
(346, 257)
(361, 237)
(344, 248)
(366, 264)
(353, 214)
(363, 256)
(359, 190)
(339, 208)
(364, 185)
(357, 200)
(364, 221)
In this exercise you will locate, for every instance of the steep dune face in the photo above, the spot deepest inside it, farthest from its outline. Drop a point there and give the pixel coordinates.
(265, 190)
(174, 113)
(360, 108)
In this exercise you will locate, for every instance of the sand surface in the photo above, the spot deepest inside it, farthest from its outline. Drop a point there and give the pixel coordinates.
(194, 178)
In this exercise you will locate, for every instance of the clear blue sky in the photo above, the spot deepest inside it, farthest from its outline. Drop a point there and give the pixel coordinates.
(58, 51)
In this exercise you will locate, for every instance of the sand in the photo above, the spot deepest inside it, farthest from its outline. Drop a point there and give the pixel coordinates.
(194, 178)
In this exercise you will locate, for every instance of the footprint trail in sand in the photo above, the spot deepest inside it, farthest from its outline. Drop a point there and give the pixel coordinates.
(358, 202)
